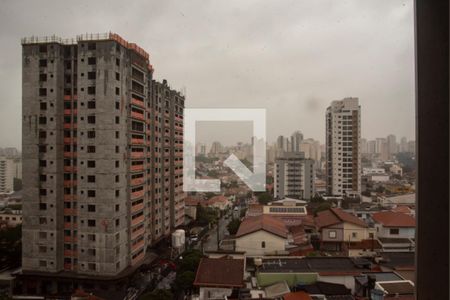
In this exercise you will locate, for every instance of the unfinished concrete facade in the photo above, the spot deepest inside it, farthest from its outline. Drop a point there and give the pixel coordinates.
(102, 155)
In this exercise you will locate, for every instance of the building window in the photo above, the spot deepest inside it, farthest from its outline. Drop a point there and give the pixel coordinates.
(91, 223)
(394, 231)
(91, 75)
(91, 90)
(263, 244)
(42, 120)
(332, 234)
(91, 163)
(117, 120)
(91, 134)
(43, 105)
(91, 104)
(91, 178)
(91, 193)
(354, 235)
(92, 61)
(42, 92)
(42, 63)
(91, 208)
(90, 149)
(42, 263)
(91, 119)
(91, 266)
(42, 206)
(117, 76)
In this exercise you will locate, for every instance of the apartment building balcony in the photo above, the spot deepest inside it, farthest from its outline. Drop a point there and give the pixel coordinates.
(68, 154)
(137, 116)
(178, 118)
(70, 253)
(70, 225)
(70, 97)
(136, 168)
(137, 155)
(137, 246)
(70, 267)
(69, 211)
(137, 220)
(138, 258)
(69, 183)
(70, 169)
(70, 239)
(70, 197)
(137, 233)
(137, 207)
(70, 140)
(135, 141)
(68, 112)
(137, 102)
(70, 125)
(137, 181)
(135, 195)
(178, 172)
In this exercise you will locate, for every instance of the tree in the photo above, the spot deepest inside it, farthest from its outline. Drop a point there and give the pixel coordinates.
(157, 295)
(11, 246)
(205, 215)
(189, 261)
(264, 198)
(233, 226)
(184, 280)
(322, 206)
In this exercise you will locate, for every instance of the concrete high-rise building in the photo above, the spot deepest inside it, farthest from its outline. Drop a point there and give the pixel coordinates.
(102, 157)
(403, 145)
(8, 171)
(343, 153)
(371, 147)
(391, 145)
(296, 140)
(294, 176)
(364, 146)
(216, 148)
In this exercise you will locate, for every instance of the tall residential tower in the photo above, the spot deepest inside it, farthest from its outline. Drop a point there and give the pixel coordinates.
(343, 154)
(102, 155)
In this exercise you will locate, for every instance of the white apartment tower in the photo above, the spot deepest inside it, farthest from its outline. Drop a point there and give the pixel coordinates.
(294, 176)
(343, 153)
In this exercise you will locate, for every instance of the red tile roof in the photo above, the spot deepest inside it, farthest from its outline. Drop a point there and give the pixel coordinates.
(402, 209)
(394, 219)
(191, 201)
(297, 296)
(335, 216)
(262, 222)
(220, 272)
(217, 199)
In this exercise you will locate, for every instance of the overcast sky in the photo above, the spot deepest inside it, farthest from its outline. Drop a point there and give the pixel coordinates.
(291, 57)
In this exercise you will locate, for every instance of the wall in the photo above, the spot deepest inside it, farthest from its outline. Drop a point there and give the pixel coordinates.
(292, 279)
(251, 243)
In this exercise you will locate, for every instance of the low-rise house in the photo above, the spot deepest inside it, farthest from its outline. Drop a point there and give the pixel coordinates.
(309, 270)
(261, 235)
(216, 278)
(338, 229)
(221, 202)
(362, 284)
(10, 218)
(391, 224)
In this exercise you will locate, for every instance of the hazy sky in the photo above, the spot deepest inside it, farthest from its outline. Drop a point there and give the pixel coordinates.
(291, 57)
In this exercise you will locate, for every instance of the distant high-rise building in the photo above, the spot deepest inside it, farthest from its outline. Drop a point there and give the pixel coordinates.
(343, 153)
(391, 145)
(8, 171)
(294, 176)
(216, 148)
(411, 147)
(372, 147)
(102, 158)
(296, 140)
(403, 145)
(311, 150)
(364, 146)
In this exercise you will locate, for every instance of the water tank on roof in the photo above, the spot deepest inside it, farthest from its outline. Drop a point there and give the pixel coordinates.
(178, 238)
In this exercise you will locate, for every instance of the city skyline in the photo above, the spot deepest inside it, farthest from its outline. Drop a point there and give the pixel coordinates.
(317, 53)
